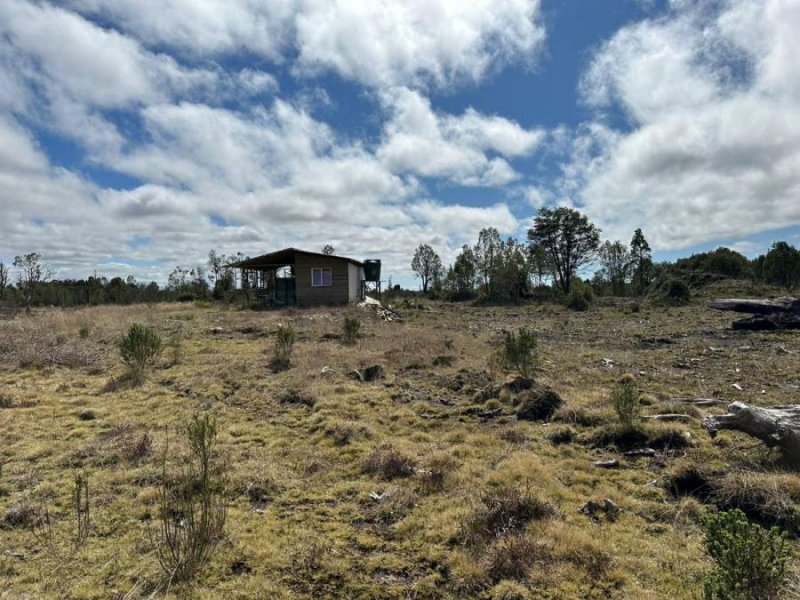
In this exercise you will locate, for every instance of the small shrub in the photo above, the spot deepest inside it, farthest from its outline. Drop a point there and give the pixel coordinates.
(503, 510)
(509, 590)
(518, 352)
(192, 506)
(750, 560)
(350, 329)
(83, 332)
(175, 346)
(563, 435)
(577, 302)
(282, 352)
(388, 463)
(139, 349)
(626, 401)
(437, 469)
(763, 497)
(677, 292)
(391, 506)
(510, 557)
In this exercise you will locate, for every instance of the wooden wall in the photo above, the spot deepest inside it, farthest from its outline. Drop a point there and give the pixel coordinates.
(307, 295)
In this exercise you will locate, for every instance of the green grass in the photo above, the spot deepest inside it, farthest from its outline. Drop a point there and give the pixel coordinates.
(305, 518)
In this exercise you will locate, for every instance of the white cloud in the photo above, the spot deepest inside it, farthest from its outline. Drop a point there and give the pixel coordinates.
(377, 43)
(420, 141)
(714, 151)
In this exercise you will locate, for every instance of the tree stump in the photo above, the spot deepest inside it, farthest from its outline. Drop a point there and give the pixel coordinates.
(769, 315)
(776, 427)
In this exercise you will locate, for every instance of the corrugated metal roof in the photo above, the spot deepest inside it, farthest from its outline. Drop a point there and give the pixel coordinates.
(281, 258)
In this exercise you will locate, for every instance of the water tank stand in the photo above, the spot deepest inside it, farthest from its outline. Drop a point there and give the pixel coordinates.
(371, 288)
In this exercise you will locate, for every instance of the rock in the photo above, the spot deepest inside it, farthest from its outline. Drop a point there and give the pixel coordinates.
(327, 371)
(368, 374)
(606, 464)
(87, 415)
(538, 403)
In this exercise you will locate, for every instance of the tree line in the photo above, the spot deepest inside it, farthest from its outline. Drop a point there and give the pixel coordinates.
(29, 282)
(562, 244)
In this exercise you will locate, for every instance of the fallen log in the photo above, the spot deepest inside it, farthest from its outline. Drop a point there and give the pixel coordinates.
(776, 427)
(769, 315)
(757, 306)
(669, 417)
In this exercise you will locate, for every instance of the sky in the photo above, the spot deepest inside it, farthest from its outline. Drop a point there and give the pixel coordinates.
(136, 135)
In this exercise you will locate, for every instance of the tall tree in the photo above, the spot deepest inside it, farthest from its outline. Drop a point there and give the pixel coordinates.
(568, 238)
(617, 265)
(642, 261)
(31, 273)
(3, 279)
(463, 271)
(427, 265)
(486, 253)
(782, 265)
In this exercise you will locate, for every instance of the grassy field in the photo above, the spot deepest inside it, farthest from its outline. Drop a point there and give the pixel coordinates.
(338, 488)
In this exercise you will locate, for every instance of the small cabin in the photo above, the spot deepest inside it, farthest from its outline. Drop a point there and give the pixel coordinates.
(301, 278)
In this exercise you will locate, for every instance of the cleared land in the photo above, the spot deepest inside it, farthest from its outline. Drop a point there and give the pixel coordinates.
(344, 489)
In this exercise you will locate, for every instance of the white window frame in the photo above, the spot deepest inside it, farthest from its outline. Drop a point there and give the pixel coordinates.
(321, 271)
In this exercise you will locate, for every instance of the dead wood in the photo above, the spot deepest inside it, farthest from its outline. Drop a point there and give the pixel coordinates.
(776, 427)
(757, 306)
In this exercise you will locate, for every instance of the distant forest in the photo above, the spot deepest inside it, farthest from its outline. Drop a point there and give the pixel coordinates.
(562, 246)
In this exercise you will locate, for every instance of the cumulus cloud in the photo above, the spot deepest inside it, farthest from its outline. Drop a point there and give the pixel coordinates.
(713, 150)
(420, 141)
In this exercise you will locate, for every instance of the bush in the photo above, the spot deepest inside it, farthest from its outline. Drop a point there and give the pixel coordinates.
(139, 349)
(193, 509)
(350, 328)
(677, 292)
(284, 343)
(510, 557)
(389, 463)
(518, 352)
(750, 560)
(502, 510)
(577, 302)
(626, 401)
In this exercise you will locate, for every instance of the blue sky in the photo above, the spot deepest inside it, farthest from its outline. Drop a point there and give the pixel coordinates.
(136, 135)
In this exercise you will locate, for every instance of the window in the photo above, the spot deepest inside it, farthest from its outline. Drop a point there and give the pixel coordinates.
(321, 277)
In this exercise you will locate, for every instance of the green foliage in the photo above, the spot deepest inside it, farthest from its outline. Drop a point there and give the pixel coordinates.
(83, 332)
(426, 265)
(677, 292)
(139, 349)
(642, 262)
(722, 261)
(626, 401)
(518, 351)
(750, 560)
(577, 301)
(568, 239)
(781, 265)
(192, 506)
(350, 329)
(284, 343)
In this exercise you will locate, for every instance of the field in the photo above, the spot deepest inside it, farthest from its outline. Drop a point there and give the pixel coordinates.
(338, 488)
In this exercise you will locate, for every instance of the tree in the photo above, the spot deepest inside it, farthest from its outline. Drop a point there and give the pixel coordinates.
(568, 238)
(464, 272)
(328, 249)
(486, 252)
(642, 262)
(617, 265)
(3, 279)
(221, 274)
(782, 265)
(31, 273)
(426, 264)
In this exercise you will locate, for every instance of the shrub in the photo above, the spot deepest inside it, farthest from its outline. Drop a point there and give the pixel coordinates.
(83, 332)
(284, 343)
(677, 292)
(139, 349)
(626, 401)
(509, 590)
(503, 510)
(577, 302)
(388, 463)
(350, 328)
(518, 351)
(750, 560)
(192, 505)
(438, 468)
(510, 557)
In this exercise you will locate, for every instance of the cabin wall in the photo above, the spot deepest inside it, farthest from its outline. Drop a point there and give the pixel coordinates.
(307, 295)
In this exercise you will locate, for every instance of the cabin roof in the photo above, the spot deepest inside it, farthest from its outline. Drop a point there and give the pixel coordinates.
(282, 258)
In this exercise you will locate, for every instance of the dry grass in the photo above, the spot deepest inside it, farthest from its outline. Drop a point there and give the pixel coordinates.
(340, 488)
